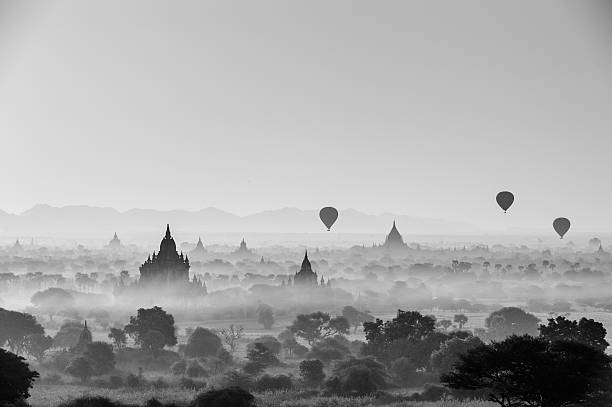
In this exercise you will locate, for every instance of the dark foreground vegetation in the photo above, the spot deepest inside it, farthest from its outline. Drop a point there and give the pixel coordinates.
(514, 361)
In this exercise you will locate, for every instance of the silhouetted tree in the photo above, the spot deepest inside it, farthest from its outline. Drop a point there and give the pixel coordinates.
(523, 371)
(318, 325)
(448, 355)
(587, 331)
(357, 377)
(16, 378)
(460, 319)
(511, 321)
(355, 317)
(36, 345)
(52, 300)
(203, 342)
(153, 342)
(80, 367)
(117, 335)
(101, 356)
(15, 328)
(152, 319)
(265, 316)
(68, 335)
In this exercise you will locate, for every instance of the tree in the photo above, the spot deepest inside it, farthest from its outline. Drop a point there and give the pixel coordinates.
(101, 356)
(407, 326)
(52, 300)
(288, 341)
(203, 342)
(312, 372)
(265, 316)
(36, 345)
(231, 336)
(261, 354)
(318, 325)
(15, 328)
(511, 321)
(587, 331)
(16, 378)
(357, 377)
(327, 350)
(269, 342)
(444, 323)
(460, 319)
(68, 335)
(444, 359)
(117, 335)
(355, 317)
(81, 368)
(152, 319)
(523, 371)
(153, 342)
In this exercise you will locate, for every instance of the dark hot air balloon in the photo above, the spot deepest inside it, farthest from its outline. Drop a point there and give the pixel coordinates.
(328, 216)
(561, 226)
(504, 200)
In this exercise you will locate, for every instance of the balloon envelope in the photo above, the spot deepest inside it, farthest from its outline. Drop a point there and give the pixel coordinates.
(328, 216)
(504, 200)
(561, 226)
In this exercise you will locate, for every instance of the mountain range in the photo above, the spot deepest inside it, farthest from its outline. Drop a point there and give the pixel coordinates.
(89, 221)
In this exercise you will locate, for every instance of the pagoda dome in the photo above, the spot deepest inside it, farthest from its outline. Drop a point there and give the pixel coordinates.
(167, 244)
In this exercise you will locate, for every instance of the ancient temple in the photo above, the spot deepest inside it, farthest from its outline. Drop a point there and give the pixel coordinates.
(243, 249)
(167, 265)
(115, 243)
(305, 277)
(394, 239)
(199, 249)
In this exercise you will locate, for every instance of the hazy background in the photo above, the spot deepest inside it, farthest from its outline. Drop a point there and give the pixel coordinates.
(423, 108)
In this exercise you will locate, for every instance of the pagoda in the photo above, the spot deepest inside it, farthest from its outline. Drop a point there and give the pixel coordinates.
(167, 265)
(394, 239)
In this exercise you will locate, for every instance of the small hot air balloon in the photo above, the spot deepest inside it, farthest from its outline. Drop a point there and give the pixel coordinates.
(328, 216)
(504, 200)
(561, 226)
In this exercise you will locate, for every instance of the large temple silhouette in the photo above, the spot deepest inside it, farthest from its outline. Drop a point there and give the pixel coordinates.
(167, 265)
(394, 240)
(115, 243)
(305, 277)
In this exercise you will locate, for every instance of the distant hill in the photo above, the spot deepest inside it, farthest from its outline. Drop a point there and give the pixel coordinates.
(88, 221)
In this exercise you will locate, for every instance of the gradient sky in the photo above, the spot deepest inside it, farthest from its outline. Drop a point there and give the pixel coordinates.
(425, 108)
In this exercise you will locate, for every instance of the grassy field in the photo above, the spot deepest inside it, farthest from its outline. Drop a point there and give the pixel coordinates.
(53, 395)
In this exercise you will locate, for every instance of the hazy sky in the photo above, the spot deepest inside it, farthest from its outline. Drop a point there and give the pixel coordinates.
(426, 108)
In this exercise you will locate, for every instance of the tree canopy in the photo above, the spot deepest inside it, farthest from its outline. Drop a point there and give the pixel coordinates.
(152, 319)
(318, 325)
(15, 328)
(587, 331)
(16, 378)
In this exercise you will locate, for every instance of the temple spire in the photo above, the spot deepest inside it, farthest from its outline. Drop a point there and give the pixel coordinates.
(168, 235)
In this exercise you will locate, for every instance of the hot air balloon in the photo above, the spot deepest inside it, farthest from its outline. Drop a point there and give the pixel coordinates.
(561, 226)
(504, 200)
(328, 216)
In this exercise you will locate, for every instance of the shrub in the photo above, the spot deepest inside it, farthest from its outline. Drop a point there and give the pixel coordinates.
(115, 381)
(327, 350)
(92, 401)
(431, 392)
(132, 381)
(203, 342)
(270, 342)
(231, 396)
(404, 371)
(312, 372)
(273, 383)
(357, 377)
(300, 350)
(101, 356)
(254, 368)
(80, 367)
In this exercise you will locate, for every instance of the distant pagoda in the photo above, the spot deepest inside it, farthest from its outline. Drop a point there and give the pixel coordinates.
(199, 249)
(394, 240)
(305, 277)
(115, 243)
(243, 249)
(167, 265)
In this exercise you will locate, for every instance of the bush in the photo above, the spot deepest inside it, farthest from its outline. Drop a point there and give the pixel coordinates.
(357, 377)
(203, 342)
(270, 342)
(231, 396)
(254, 368)
(327, 350)
(431, 392)
(300, 350)
(312, 372)
(404, 372)
(273, 383)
